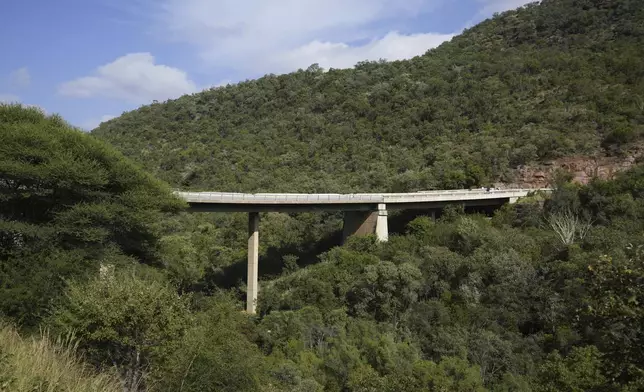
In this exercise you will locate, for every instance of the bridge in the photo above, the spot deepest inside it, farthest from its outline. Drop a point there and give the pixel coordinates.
(364, 213)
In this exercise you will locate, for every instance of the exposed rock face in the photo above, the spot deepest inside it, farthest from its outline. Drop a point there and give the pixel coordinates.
(582, 168)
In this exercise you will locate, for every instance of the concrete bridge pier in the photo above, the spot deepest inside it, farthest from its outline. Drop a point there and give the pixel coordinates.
(366, 222)
(382, 228)
(252, 283)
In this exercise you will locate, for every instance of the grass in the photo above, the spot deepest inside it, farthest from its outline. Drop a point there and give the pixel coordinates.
(40, 364)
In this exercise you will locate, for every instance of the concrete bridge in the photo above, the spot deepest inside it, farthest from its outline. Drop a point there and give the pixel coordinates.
(364, 213)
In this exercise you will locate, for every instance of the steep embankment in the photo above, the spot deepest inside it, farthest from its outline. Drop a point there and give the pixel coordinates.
(559, 79)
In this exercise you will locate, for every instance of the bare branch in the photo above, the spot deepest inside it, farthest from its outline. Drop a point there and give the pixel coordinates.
(569, 227)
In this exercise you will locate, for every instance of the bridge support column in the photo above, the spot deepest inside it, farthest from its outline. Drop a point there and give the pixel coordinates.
(382, 228)
(513, 200)
(252, 284)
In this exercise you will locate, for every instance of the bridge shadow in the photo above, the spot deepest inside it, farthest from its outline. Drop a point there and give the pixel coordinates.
(272, 261)
(398, 220)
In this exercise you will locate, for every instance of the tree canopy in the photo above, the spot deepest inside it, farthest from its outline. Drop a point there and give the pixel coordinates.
(67, 202)
(545, 295)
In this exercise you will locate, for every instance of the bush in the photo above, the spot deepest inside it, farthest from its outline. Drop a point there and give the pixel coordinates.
(124, 321)
(40, 364)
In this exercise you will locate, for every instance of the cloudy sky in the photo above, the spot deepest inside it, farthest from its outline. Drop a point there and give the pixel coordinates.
(90, 60)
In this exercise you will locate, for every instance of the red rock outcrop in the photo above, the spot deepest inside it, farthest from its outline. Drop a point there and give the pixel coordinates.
(583, 169)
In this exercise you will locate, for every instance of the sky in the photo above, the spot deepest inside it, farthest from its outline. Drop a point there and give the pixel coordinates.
(92, 60)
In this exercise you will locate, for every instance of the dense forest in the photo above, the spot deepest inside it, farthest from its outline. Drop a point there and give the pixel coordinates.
(107, 283)
(545, 81)
(545, 296)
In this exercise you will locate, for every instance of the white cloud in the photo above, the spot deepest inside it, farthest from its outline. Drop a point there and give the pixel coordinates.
(9, 98)
(393, 46)
(492, 6)
(257, 36)
(20, 78)
(93, 123)
(221, 83)
(247, 38)
(134, 78)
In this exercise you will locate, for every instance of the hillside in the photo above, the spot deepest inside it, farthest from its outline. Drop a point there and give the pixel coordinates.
(546, 81)
(545, 295)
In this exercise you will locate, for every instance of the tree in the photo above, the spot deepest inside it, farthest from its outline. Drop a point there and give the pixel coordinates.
(580, 371)
(568, 226)
(67, 201)
(450, 374)
(214, 354)
(385, 291)
(614, 312)
(124, 321)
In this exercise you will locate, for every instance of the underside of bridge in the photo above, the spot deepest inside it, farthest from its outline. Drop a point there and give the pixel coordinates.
(366, 223)
(355, 223)
(359, 219)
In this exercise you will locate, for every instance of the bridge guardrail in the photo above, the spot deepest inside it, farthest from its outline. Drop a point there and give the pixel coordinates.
(366, 198)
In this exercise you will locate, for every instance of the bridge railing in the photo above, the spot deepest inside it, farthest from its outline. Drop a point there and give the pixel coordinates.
(324, 198)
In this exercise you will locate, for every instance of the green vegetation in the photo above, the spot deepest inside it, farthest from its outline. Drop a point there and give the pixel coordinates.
(39, 364)
(67, 203)
(134, 318)
(546, 81)
(546, 296)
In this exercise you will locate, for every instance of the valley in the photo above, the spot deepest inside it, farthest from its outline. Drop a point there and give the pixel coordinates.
(470, 219)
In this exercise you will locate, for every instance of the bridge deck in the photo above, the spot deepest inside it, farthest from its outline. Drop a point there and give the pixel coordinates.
(278, 201)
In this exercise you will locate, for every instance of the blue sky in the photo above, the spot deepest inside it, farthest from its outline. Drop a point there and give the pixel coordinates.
(90, 60)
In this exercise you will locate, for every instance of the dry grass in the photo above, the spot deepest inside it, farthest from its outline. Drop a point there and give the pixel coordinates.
(44, 365)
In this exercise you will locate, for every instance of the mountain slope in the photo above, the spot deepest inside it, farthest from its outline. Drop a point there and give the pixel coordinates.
(545, 81)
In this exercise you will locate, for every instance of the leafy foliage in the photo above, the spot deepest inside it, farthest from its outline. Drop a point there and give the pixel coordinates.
(125, 322)
(545, 81)
(462, 303)
(214, 353)
(465, 303)
(67, 200)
